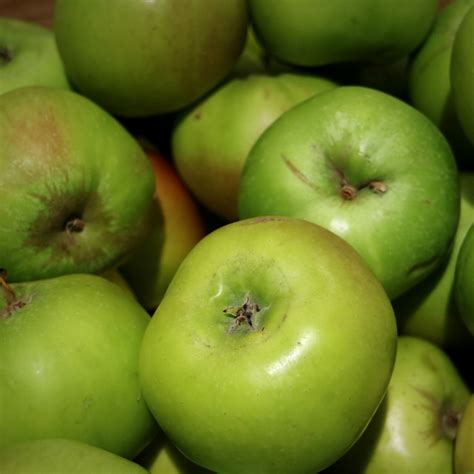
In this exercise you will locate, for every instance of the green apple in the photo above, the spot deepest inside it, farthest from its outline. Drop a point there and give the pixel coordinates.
(318, 32)
(366, 166)
(69, 348)
(271, 349)
(463, 452)
(29, 56)
(65, 166)
(429, 310)
(414, 429)
(211, 142)
(176, 229)
(430, 82)
(61, 456)
(464, 279)
(141, 57)
(462, 66)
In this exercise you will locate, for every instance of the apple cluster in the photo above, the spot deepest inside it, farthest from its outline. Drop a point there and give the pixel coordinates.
(237, 237)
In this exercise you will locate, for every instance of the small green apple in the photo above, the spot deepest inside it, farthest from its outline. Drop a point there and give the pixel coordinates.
(414, 428)
(318, 32)
(61, 456)
(171, 52)
(366, 166)
(69, 348)
(29, 56)
(65, 166)
(271, 349)
(211, 142)
(464, 279)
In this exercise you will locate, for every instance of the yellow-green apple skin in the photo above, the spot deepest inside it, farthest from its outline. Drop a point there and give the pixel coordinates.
(29, 56)
(318, 32)
(414, 428)
(271, 349)
(464, 279)
(430, 81)
(429, 309)
(65, 169)
(462, 73)
(69, 348)
(464, 443)
(211, 142)
(368, 167)
(63, 456)
(177, 228)
(142, 57)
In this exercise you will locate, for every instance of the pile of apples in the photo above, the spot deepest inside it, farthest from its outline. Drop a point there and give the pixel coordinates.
(237, 236)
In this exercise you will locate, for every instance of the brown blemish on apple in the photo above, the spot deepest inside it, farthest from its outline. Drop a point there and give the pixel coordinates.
(298, 173)
(5, 55)
(13, 303)
(261, 220)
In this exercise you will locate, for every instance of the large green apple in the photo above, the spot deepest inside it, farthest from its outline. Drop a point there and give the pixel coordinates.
(429, 310)
(317, 32)
(462, 67)
(429, 79)
(63, 456)
(366, 166)
(211, 142)
(271, 349)
(142, 57)
(414, 429)
(69, 348)
(65, 171)
(464, 279)
(28, 56)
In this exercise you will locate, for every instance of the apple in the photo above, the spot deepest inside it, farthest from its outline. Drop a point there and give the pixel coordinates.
(314, 33)
(271, 349)
(429, 77)
(462, 64)
(69, 348)
(366, 166)
(463, 452)
(175, 231)
(65, 166)
(429, 309)
(211, 142)
(414, 429)
(60, 456)
(29, 56)
(170, 52)
(464, 279)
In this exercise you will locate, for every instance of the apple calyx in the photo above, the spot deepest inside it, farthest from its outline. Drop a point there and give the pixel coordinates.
(74, 224)
(449, 421)
(13, 303)
(5, 55)
(243, 315)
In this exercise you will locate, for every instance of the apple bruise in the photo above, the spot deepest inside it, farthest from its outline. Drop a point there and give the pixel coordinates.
(13, 303)
(243, 315)
(5, 55)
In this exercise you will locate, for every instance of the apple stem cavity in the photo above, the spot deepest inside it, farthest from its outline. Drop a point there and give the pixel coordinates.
(243, 315)
(5, 55)
(13, 303)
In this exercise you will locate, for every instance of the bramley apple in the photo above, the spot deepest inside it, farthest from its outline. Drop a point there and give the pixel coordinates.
(29, 56)
(211, 142)
(271, 349)
(366, 166)
(317, 32)
(69, 348)
(60, 456)
(65, 169)
(171, 52)
(414, 429)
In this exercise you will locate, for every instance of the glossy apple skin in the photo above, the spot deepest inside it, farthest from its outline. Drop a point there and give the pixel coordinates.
(64, 159)
(429, 309)
(464, 279)
(429, 77)
(171, 52)
(70, 365)
(177, 227)
(292, 394)
(462, 64)
(60, 456)
(211, 142)
(29, 56)
(316, 32)
(413, 430)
